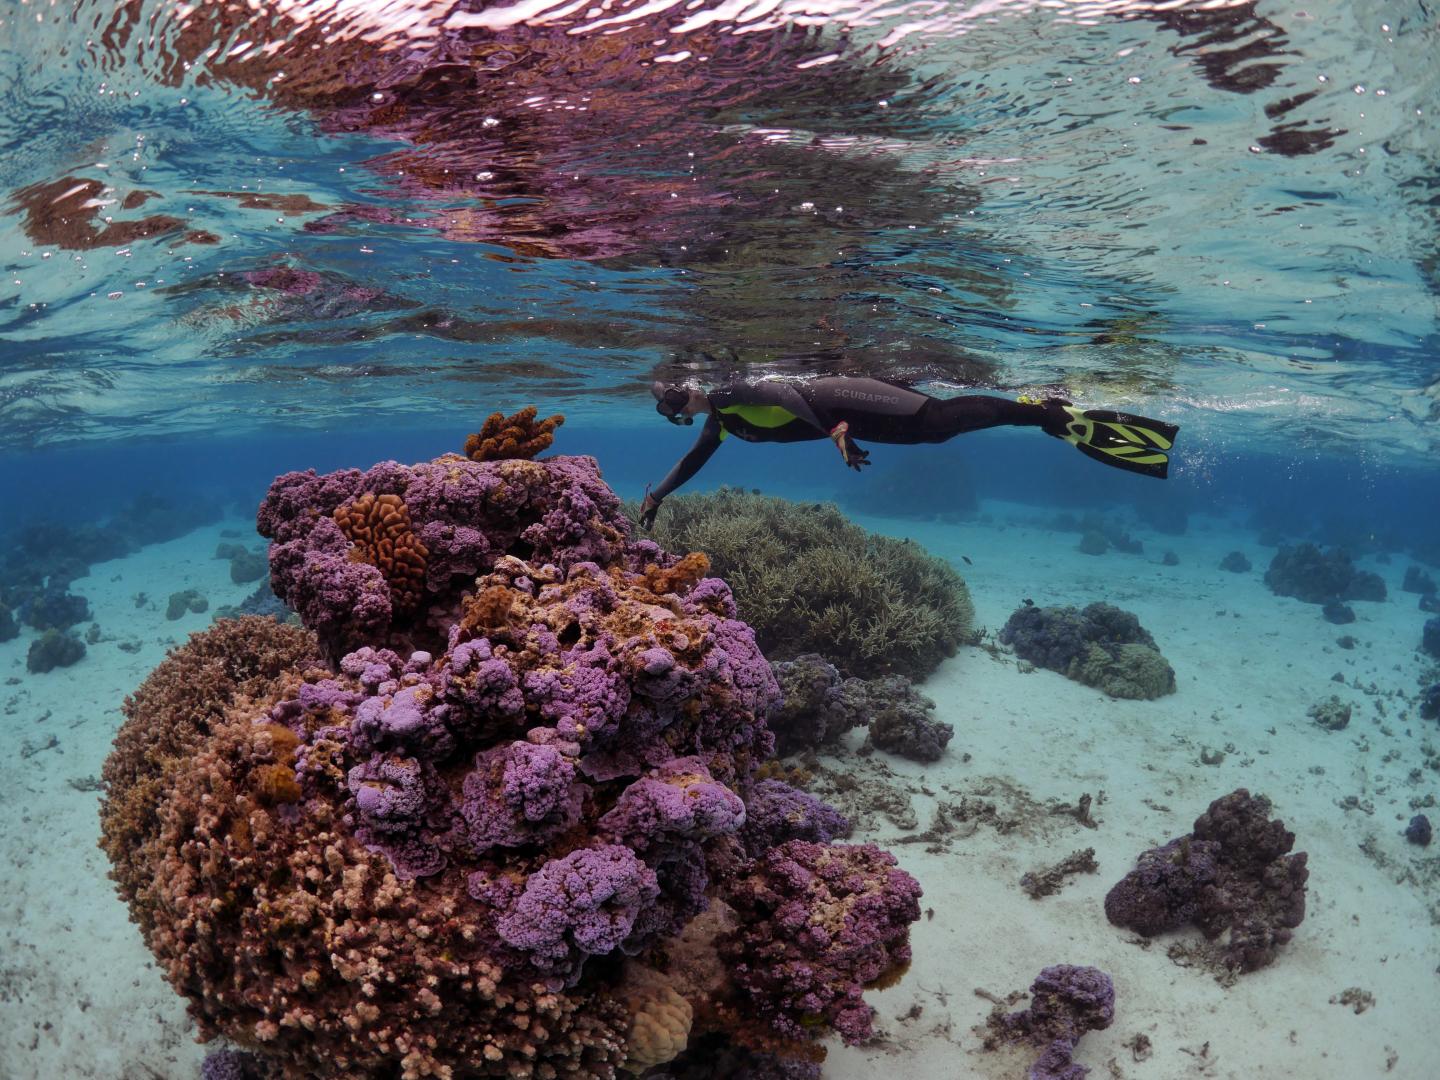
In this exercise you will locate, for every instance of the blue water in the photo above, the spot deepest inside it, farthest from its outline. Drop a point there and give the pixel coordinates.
(240, 239)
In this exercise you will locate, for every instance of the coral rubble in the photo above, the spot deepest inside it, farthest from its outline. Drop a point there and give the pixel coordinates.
(1233, 874)
(490, 819)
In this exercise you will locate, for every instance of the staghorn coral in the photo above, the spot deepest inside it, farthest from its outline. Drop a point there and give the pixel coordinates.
(379, 528)
(514, 436)
(1231, 875)
(809, 580)
(439, 861)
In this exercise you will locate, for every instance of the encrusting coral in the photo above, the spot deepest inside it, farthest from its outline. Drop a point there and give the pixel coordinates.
(516, 436)
(478, 839)
(809, 580)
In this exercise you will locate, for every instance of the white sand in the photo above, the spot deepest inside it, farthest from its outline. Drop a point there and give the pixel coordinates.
(81, 998)
(1257, 666)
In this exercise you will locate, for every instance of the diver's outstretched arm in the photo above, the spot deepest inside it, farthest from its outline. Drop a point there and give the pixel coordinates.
(693, 461)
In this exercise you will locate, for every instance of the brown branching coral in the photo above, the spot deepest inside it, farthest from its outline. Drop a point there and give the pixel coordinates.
(337, 968)
(516, 436)
(379, 527)
(680, 578)
(235, 660)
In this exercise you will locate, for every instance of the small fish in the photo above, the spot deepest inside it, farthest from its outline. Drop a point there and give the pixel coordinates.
(967, 560)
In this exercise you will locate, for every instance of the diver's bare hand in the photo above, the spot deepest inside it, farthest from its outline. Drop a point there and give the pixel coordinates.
(853, 456)
(648, 509)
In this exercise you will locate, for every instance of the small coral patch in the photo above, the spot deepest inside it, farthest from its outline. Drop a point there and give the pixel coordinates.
(379, 527)
(519, 435)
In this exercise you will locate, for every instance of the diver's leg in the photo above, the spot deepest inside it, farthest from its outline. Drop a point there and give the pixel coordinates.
(944, 418)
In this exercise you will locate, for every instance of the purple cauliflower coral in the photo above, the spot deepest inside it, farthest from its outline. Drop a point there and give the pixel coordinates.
(1234, 873)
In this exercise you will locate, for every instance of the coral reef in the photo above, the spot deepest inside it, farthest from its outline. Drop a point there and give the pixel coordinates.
(1316, 577)
(9, 628)
(819, 706)
(378, 528)
(1417, 581)
(900, 721)
(1430, 702)
(499, 834)
(1336, 612)
(1100, 646)
(1232, 874)
(1067, 1002)
(187, 600)
(245, 565)
(53, 649)
(1235, 563)
(1418, 832)
(54, 609)
(1098, 533)
(232, 1065)
(1430, 638)
(168, 718)
(516, 436)
(465, 514)
(776, 812)
(1332, 714)
(811, 581)
(818, 924)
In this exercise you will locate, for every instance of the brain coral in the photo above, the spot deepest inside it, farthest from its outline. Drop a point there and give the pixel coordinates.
(469, 843)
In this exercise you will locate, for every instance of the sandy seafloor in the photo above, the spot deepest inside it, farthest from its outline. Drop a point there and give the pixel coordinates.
(81, 999)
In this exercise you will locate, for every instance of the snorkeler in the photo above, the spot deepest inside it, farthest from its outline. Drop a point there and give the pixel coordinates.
(844, 409)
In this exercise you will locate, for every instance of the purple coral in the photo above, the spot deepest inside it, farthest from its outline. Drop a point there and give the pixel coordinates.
(395, 802)
(518, 794)
(776, 812)
(1067, 1001)
(679, 800)
(585, 904)
(534, 764)
(1232, 874)
(231, 1065)
(820, 923)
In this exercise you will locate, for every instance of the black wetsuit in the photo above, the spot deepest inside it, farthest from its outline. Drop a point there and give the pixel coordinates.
(772, 410)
